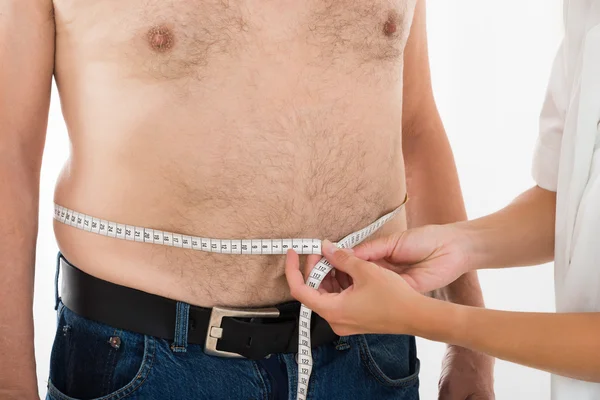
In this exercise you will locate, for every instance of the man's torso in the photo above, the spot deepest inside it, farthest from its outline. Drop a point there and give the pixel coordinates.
(227, 120)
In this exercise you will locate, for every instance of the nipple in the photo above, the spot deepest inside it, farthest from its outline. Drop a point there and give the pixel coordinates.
(160, 38)
(390, 26)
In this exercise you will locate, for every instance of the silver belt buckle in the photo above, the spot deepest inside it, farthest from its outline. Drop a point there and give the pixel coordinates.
(215, 332)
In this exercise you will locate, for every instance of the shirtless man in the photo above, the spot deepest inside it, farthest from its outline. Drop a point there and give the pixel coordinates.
(219, 119)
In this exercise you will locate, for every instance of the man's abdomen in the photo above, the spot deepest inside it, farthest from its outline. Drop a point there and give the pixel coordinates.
(265, 144)
(286, 205)
(291, 183)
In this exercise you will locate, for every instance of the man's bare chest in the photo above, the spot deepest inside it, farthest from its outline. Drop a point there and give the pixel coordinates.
(182, 38)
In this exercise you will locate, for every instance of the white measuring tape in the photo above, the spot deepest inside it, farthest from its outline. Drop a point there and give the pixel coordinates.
(236, 246)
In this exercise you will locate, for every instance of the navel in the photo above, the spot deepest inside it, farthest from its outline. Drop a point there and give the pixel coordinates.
(160, 38)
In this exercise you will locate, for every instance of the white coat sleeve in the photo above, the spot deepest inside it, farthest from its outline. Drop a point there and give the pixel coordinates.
(552, 122)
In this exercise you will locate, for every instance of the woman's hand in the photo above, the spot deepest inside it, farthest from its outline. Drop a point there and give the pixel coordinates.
(377, 300)
(428, 258)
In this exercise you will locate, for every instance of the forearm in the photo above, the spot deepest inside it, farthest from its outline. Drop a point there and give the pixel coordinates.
(435, 195)
(519, 235)
(542, 341)
(26, 65)
(18, 228)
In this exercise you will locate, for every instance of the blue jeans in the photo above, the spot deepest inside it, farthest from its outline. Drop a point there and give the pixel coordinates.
(91, 360)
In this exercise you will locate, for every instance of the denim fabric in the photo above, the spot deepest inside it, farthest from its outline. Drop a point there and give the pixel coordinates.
(91, 360)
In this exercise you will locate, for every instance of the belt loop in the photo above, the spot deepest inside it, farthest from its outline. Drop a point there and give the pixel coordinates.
(181, 328)
(56, 296)
(343, 343)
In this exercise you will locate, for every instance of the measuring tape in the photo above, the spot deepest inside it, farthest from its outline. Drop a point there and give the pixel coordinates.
(235, 246)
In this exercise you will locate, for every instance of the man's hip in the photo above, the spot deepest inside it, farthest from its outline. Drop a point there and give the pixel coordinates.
(134, 356)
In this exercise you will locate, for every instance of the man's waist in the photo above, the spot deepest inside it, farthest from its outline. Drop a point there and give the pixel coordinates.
(224, 331)
(272, 245)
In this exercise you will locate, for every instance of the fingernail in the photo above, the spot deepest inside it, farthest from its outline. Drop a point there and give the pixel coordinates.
(328, 247)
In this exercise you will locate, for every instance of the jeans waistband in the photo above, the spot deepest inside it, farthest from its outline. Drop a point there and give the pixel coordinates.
(250, 333)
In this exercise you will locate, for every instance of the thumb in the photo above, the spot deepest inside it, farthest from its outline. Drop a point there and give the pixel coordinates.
(379, 248)
(344, 260)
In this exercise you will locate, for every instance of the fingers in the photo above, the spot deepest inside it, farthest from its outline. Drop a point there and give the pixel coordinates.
(343, 279)
(342, 260)
(311, 261)
(326, 285)
(330, 283)
(335, 285)
(378, 248)
(314, 300)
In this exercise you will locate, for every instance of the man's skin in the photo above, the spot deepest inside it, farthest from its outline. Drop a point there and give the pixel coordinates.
(251, 119)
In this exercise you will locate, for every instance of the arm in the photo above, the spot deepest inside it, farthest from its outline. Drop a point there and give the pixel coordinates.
(533, 339)
(434, 256)
(521, 234)
(370, 305)
(432, 179)
(436, 198)
(26, 64)
(429, 257)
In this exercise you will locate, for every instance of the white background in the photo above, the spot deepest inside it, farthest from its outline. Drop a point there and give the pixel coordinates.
(490, 63)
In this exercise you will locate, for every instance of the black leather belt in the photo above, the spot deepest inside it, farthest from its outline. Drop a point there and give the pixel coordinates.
(226, 332)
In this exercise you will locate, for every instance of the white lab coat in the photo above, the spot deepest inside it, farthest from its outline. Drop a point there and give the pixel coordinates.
(567, 160)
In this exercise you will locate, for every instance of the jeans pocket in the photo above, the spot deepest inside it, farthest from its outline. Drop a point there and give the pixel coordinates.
(91, 360)
(390, 359)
